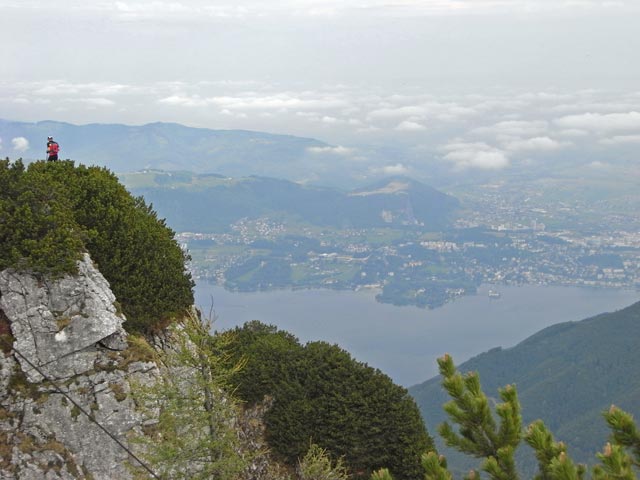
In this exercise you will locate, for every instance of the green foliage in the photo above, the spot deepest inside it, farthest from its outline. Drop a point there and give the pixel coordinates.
(320, 393)
(615, 464)
(382, 474)
(37, 228)
(317, 465)
(52, 211)
(624, 430)
(479, 436)
(552, 456)
(566, 374)
(435, 467)
(194, 437)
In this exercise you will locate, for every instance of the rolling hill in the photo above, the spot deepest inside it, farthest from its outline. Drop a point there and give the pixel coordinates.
(210, 203)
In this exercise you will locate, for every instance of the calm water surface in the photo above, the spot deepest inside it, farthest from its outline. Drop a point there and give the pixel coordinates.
(404, 342)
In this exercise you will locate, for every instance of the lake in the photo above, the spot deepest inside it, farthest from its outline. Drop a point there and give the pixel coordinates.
(404, 342)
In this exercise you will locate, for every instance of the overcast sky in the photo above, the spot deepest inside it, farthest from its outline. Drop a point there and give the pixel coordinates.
(481, 82)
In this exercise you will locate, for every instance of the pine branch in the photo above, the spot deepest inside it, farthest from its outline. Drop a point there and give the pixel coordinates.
(616, 464)
(382, 474)
(478, 435)
(435, 467)
(624, 430)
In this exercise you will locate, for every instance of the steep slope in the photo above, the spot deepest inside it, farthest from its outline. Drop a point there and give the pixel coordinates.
(566, 375)
(187, 200)
(68, 377)
(70, 331)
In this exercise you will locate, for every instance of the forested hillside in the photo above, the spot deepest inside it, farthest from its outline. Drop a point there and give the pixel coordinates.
(566, 375)
(191, 202)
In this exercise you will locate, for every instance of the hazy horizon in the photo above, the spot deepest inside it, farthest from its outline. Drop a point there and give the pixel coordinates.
(482, 84)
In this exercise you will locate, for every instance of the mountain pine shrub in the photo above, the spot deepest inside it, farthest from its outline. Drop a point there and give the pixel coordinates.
(51, 212)
(37, 227)
(322, 395)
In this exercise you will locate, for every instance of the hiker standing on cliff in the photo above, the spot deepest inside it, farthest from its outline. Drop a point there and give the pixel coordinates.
(52, 149)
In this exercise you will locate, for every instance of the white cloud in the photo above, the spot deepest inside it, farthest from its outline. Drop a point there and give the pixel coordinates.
(607, 106)
(144, 9)
(186, 101)
(621, 140)
(173, 11)
(369, 129)
(546, 96)
(453, 112)
(598, 165)
(397, 112)
(475, 155)
(601, 122)
(59, 88)
(397, 169)
(515, 128)
(98, 102)
(331, 120)
(410, 126)
(284, 101)
(572, 132)
(20, 144)
(338, 150)
(443, 111)
(541, 144)
(340, 114)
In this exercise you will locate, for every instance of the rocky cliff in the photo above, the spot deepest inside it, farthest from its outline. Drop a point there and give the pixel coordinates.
(67, 369)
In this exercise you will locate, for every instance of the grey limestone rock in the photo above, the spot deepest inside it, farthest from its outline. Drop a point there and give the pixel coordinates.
(70, 329)
(57, 323)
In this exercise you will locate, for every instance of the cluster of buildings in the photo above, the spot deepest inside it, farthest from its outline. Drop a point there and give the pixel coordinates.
(507, 252)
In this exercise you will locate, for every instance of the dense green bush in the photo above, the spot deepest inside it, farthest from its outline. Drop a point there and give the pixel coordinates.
(52, 211)
(323, 395)
(37, 227)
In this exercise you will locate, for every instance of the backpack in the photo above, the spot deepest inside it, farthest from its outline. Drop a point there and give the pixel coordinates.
(54, 148)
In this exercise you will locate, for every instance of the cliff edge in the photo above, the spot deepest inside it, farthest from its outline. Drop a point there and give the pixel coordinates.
(68, 357)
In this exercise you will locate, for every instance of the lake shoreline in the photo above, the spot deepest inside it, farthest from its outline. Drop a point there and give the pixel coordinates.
(404, 342)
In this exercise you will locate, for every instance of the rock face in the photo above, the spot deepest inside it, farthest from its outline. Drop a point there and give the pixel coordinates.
(69, 367)
(58, 324)
(71, 331)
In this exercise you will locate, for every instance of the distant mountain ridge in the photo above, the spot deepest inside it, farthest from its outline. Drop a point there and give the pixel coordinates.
(566, 375)
(171, 146)
(208, 202)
